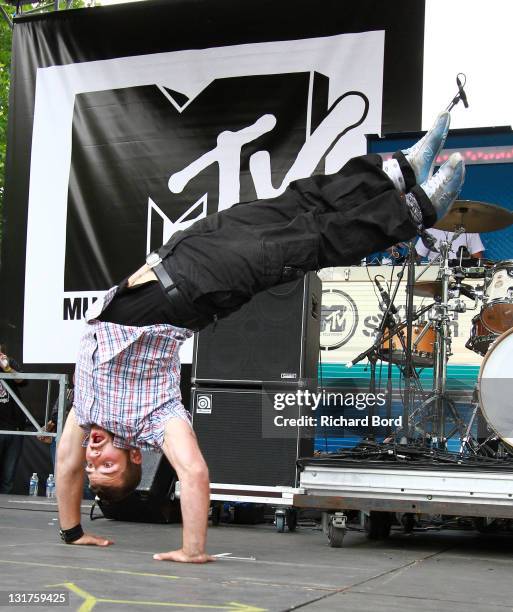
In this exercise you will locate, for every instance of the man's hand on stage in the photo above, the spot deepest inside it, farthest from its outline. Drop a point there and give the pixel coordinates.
(180, 556)
(89, 539)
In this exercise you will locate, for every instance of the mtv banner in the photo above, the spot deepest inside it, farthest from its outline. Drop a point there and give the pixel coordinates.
(134, 138)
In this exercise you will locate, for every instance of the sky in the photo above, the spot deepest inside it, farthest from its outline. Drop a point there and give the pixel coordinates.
(473, 37)
(467, 36)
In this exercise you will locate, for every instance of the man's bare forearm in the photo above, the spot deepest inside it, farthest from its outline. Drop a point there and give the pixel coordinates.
(70, 484)
(70, 473)
(182, 450)
(195, 503)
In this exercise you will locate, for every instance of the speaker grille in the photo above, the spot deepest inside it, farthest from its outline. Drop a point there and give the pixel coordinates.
(230, 438)
(273, 337)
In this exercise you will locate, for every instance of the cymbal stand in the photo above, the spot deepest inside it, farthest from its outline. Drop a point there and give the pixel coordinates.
(409, 369)
(388, 322)
(442, 351)
(442, 344)
(468, 442)
(396, 330)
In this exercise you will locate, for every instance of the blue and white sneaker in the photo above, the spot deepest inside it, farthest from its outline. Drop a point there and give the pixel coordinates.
(422, 155)
(445, 185)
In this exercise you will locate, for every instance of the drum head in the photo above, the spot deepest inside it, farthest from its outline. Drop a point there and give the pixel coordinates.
(498, 316)
(496, 387)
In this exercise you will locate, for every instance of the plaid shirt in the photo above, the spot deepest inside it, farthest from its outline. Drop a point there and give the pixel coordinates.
(127, 378)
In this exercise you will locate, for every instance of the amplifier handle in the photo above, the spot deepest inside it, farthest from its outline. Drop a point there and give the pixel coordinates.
(314, 310)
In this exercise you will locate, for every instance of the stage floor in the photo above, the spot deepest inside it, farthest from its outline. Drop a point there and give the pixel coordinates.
(259, 569)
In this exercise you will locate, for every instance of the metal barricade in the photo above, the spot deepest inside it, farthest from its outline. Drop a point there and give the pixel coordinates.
(62, 379)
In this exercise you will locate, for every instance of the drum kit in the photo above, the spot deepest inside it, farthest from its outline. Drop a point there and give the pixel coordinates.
(428, 344)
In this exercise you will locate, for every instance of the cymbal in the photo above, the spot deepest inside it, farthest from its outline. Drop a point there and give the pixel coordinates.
(475, 217)
(427, 288)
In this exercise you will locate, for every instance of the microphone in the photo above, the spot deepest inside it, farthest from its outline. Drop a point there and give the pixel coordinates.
(385, 297)
(356, 360)
(461, 91)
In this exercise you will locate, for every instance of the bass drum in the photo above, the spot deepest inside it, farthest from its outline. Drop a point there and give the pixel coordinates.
(495, 387)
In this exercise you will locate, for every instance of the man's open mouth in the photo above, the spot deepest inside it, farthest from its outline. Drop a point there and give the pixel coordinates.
(97, 437)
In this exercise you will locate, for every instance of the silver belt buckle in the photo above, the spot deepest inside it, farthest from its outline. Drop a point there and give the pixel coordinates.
(153, 259)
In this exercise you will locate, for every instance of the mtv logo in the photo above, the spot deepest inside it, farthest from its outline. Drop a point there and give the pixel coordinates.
(169, 159)
(333, 318)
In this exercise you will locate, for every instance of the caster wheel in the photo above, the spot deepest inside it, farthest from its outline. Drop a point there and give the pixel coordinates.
(292, 520)
(279, 520)
(386, 527)
(378, 525)
(408, 522)
(336, 536)
(216, 515)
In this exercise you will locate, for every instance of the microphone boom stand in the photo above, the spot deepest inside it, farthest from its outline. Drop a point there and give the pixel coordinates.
(387, 322)
(408, 370)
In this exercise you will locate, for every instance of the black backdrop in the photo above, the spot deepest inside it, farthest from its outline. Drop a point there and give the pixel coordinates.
(86, 35)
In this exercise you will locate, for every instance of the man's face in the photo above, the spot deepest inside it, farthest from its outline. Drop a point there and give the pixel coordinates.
(104, 462)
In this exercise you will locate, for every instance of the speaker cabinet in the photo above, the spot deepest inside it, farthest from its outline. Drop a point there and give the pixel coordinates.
(152, 501)
(274, 337)
(228, 423)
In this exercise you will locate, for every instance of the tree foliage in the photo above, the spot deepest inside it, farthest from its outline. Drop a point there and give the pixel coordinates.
(5, 65)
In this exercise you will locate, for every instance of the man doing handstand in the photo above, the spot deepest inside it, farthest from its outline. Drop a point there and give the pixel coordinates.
(127, 393)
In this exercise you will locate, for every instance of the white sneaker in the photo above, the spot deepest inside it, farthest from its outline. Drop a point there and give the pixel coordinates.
(422, 155)
(445, 185)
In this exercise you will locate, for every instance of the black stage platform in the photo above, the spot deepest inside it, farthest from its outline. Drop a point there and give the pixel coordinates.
(258, 569)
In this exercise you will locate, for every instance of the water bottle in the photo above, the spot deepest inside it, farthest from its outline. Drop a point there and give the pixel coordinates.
(50, 486)
(34, 484)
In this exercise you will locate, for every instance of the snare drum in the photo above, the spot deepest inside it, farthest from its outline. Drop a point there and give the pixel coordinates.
(422, 350)
(497, 313)
(480, 337)
(495, 387)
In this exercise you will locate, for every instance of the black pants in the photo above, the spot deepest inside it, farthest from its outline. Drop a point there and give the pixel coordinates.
(10, 452)
(221, 261)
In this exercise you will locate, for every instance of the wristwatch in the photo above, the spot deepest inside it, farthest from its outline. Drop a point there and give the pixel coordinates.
(153, 259)
(68, 536)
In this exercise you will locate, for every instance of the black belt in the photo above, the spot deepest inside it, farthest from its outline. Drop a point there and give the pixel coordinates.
(165, 280)
(154, 261)
(184, 312)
